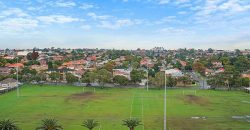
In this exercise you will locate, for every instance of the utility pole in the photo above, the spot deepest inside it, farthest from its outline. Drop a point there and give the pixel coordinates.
(165, 103)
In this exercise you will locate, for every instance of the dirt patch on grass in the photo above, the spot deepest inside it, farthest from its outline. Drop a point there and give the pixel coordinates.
(192, 99)
(82, 96)
(193, 124)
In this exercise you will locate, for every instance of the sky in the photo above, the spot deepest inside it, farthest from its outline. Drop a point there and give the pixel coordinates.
(125, 24)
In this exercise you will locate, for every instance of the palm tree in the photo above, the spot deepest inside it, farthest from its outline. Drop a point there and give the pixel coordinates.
(8, 125)
(131, 123)
(90, 124)
(49, 124)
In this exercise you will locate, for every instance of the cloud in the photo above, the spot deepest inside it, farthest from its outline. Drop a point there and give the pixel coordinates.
(100, 17)
(65, 4)
(57, 19)
(171, 30)
(182, 12)
(86, 6)
(168, 19)
(181, 1)
(233, 6)
(15, 12)
(222, 7)
(118, 23)
(17, 24)
(162, 2)
(220, 11)
(85, 27)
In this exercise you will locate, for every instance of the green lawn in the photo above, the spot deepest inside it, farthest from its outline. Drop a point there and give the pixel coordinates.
(71, 106)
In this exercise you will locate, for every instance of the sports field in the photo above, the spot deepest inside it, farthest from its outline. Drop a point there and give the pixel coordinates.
(186, 109)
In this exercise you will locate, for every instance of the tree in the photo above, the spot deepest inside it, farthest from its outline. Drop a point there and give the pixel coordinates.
(238, 52)
(198, 67)
(151, 72)
(242, 64)
(8, 125)
(55, 76)
(90, 124)
(109, 66)
(103, 76)
(26, 71)
(158, 81)
(125, 64)
(245, 82)
(32, 62)
(50, 65)
(178, 65)
(43, 76)
(121, 80)
(49, 124)
(32, 56)
(210, 50)
(170, 81)
(89, 77)
(71, 78)
(225, 60)
(185, 80)
(2, 62)
(2, 77)
(131, 123)
(157, 67)
(135, 65)
(137, 75)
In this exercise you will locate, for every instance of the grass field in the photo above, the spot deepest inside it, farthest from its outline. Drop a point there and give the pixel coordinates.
(186, 109)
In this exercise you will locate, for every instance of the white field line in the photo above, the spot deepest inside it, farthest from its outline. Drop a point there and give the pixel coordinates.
(100, 127)
(131, 106)
(245, 101)
(142, 115)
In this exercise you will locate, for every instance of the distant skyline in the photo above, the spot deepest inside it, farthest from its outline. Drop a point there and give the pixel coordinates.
(125, 24)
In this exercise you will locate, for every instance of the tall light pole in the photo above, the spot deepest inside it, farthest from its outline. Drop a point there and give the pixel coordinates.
(165, 103)
(147, 76)
(17, 92)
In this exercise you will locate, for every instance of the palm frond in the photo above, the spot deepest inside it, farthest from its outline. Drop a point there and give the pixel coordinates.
(90, 124)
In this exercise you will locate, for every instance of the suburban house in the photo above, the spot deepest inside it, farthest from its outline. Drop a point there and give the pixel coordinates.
(220, 70)
(246, 74)
(121, 72)
(57, 58)
(15, 65)
(8, 83)
(208, 71)
(217, 64)
(9, 57)
(174, 72)
(5, 71)
(146, 62)
(74, 63)
(23, 53)
(91, 58)
(183, 63)
(39, 68)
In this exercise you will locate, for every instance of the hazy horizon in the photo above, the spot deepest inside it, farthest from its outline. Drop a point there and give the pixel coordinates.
(125, 24)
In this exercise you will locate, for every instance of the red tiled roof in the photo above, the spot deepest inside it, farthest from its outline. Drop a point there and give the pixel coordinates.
(20, 65)
(78, 62)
